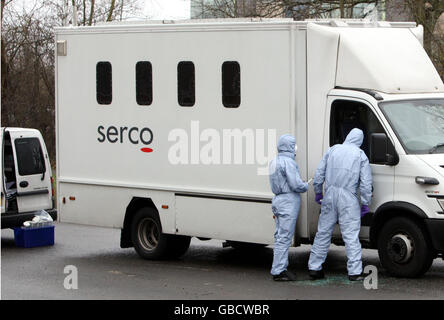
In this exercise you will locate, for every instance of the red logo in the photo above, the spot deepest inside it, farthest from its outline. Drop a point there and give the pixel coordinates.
(146, 150)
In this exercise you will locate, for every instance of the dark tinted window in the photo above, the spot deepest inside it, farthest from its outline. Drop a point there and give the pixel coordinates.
(29, 156)
(185, 83)
(346, 115)
(231, 90)
(104, 86)
(144, 83)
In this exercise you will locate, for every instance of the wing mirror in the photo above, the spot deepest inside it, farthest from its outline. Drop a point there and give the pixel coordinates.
(382, 150)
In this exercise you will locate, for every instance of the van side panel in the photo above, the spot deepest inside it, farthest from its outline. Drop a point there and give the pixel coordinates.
(101, 145)
(105, 206)
(322, 46)
(300, 110)
(225, 219)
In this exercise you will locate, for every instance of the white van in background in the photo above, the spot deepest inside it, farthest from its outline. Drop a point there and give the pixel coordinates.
(27, 183)
(127, 93)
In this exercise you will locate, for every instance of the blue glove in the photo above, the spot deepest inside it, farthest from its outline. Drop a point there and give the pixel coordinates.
(364, 210)
(319, 197)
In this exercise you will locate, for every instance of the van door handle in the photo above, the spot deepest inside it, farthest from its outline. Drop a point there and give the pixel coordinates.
(24, 184)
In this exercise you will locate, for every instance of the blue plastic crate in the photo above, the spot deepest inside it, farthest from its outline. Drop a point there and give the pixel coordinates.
(34, 237)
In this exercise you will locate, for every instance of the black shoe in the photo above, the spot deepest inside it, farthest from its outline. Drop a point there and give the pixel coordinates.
(284, 276)
(357, 277)
(316, 275)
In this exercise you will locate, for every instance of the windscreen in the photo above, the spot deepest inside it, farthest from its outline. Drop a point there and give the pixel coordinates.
(419, 124)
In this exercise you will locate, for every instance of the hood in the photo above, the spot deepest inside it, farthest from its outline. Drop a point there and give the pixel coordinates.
(435, 161)
(356, 137)
(286, 143)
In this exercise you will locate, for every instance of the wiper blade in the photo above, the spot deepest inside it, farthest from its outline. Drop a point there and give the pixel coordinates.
(436, 147)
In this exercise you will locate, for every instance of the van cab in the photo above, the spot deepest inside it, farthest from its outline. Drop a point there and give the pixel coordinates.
(27, 183)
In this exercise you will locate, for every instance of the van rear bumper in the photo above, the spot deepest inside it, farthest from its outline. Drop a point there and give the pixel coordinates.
(436, 232)
(16, 220)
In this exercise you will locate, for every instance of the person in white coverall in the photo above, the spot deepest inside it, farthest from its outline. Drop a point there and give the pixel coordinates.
(286, 185)
(343, 170)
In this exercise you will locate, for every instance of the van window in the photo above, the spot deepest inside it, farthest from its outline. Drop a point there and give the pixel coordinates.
(346, 115)
(185, 83)
(30, 158)
(144, 83)
(231, 84)
(419, 124)
(104, 87)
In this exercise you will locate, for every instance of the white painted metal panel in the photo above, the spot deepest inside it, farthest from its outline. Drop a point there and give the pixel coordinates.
(322, 45)
(37, 192)
(300, 96)
(225, 219)
(103, 177)
(390, 60)
(265, 104)
(407, 190)
(106, 205)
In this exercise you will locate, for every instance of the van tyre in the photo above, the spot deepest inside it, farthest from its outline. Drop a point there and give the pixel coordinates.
(178, 245)
(404, 248)
(149, 241)
(146, 235)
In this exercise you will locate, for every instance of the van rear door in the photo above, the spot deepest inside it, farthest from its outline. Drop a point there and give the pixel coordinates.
(3, 197)
(33, 171)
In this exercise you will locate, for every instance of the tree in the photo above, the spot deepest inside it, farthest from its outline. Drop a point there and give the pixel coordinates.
(297, 9)
(90, 12)
(27, 56)
(427, 14)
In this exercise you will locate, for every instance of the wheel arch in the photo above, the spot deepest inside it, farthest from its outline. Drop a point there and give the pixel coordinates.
(390, 210)
(135, 204)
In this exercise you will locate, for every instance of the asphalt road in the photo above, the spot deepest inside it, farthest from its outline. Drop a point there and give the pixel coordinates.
(206, 271)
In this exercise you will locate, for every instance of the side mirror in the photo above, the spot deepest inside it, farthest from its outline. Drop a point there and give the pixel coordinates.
(382, 150)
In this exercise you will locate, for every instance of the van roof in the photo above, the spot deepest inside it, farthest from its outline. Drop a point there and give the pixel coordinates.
(221, 23)
(16, 129)
(390, 60)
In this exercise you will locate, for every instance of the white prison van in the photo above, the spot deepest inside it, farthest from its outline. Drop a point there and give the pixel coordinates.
(165, 129)
(27, 183)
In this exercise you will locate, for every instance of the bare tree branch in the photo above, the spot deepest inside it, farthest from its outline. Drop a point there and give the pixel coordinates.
(91, 13)
(111, 10)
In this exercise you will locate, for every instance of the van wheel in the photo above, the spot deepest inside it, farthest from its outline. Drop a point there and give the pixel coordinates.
(149, 241)
(404, 249)
(146, 235)
(178, 245)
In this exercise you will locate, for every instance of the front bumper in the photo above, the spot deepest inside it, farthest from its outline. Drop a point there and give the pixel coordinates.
(16, 220)
(436, 232)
